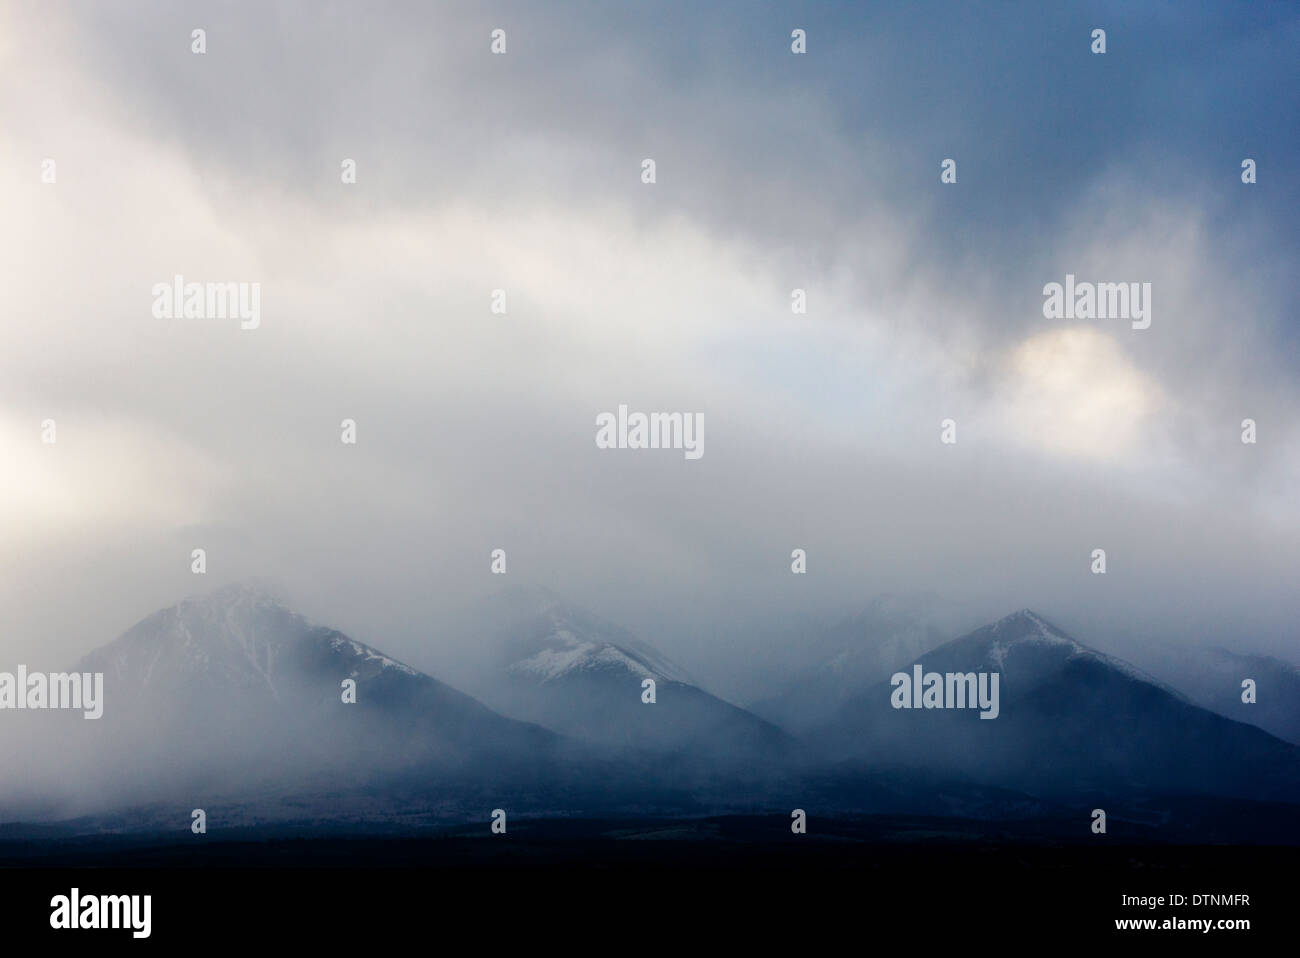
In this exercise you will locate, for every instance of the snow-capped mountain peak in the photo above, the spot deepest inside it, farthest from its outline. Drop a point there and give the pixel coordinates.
(1026, 626)
(1027, 631)
(238, 635)
(565, 640)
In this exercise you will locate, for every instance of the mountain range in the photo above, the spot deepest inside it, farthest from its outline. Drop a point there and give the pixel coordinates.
(231, 698)
(232, 693)
(588, 679)
(1073, 723)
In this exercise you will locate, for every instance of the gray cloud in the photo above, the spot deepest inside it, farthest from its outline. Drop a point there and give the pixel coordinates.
(476, 431)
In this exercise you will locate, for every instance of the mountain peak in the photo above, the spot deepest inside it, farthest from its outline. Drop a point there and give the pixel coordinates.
(1028, 624)
(563, 639)
(240, 634)
(1026, 630)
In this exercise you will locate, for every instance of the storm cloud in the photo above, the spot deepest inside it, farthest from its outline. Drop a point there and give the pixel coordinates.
(775, 172)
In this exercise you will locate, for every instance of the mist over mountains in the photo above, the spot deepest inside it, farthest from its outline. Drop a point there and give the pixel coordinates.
(231, 700)
(861, 650)
(551, 663)
(1212, 677)
(1072, 721)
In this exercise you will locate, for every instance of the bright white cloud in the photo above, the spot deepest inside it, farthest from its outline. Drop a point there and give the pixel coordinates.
(1074, 392)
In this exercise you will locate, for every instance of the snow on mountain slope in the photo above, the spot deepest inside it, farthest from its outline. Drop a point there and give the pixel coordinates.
(1026, 628)
(237, 636)
(234, 685)
(573, 672)
(568, 639)
(1072, 721)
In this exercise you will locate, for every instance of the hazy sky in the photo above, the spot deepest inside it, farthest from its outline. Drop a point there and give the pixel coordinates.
(522, 171)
